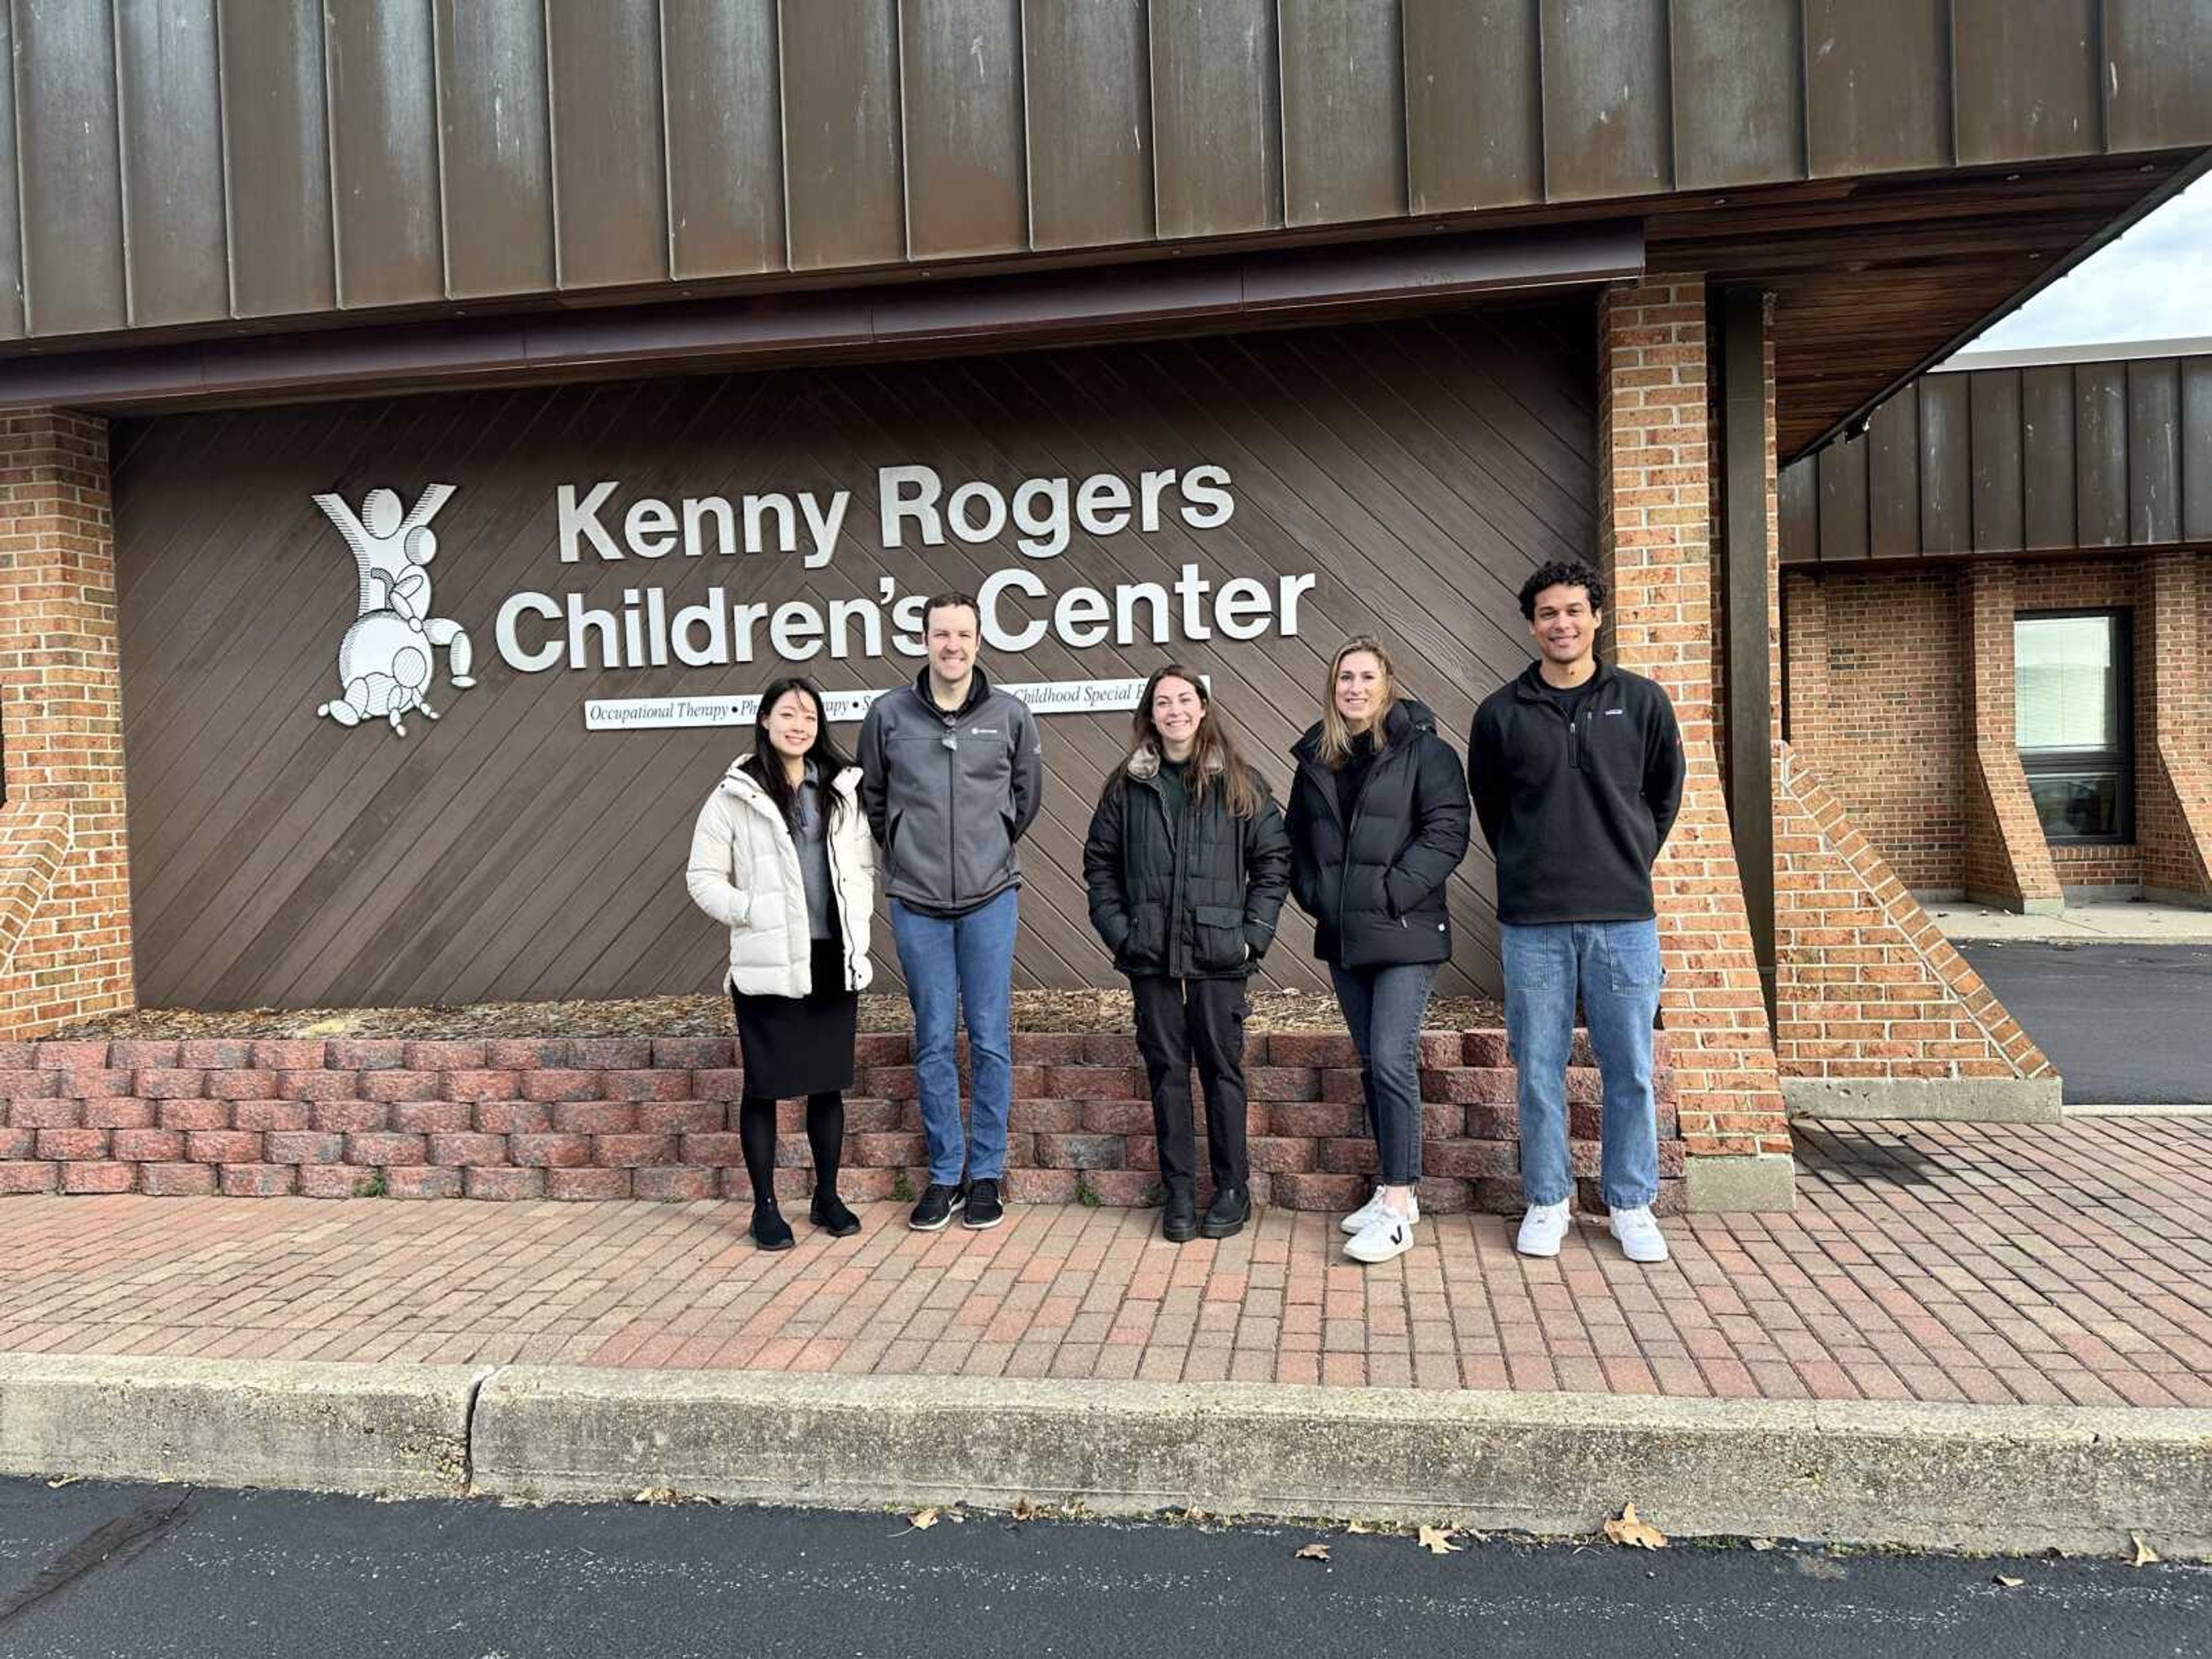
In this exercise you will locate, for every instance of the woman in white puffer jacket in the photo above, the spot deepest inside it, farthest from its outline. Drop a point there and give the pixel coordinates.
(782, 856)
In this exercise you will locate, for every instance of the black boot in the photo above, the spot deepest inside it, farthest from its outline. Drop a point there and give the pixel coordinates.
(1226, 1216)
(827, 1211)
(1179, 1216)
(771, 1231)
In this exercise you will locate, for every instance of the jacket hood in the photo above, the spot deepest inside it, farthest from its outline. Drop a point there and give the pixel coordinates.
(1143, 762)
(1529, 685)
(741, 781)
(979, 687)
(1407, 716)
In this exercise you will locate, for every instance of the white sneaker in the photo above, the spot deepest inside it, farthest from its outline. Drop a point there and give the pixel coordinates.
(1543, 1229)
(1388, 1235)
(1363, 1218)
(1639, 1235)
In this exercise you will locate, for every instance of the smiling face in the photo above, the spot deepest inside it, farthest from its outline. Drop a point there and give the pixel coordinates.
(793, 723)
(950, 638)
(1178, 711)
(1565, 625)
(1361, 687)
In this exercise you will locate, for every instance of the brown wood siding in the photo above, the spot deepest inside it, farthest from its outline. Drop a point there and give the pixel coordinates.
(1418, 469)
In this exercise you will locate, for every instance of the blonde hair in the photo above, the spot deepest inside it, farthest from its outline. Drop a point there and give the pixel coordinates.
(1335, 733)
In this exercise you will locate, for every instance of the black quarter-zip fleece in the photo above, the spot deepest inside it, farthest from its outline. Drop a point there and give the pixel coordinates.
(1576, 809)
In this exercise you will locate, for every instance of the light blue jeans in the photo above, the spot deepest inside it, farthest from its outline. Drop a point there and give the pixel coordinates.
(1615, 964)
(956, 965)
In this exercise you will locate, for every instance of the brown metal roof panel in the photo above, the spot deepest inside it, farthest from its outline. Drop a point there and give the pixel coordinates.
(1605, 75)
(1993, 398)
(609, 179)
(11, 225)
(2196, 449)
(1877, 86)
(1799, 503)
(843, 196)
(725, 137)
(2153, 452)
(2046, 412)
(2157, 74)
(2026, 79)
(1088, 78)
(960, 80)
(72, 192)
(1843, 480)
(1344, 111)
(380, 77)
(1892, 441)
(277, 159)
(1737, 72)
(2100, 455)
(496, 144)
(1474, 112)
(1946, 506)
(174, 237)
(1216, 117)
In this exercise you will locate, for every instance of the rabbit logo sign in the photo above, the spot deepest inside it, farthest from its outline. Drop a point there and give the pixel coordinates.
(387, 660)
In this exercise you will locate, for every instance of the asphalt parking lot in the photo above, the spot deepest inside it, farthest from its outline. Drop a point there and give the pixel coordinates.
(2125, 1024)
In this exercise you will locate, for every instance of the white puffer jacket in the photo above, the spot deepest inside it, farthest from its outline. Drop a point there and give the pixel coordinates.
(744, 873)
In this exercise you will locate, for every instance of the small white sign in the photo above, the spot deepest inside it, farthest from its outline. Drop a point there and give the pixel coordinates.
(669, 714)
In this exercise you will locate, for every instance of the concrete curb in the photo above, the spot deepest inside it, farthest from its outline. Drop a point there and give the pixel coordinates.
(1941, 1477)
(1928, 1100)
(1944, 1477)
(395, 1429)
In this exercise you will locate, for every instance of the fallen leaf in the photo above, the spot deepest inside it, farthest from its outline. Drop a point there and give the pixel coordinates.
(61, 1481)
(654, 1495)
(1627, 1529)
(1023, 1510)
(2145, 1555)
(922, 1520)
(1195, 1516)
(1312, 1553)
(1357, 1527)
(2009, 1583)
(1762, 1544)
(1437, 1540)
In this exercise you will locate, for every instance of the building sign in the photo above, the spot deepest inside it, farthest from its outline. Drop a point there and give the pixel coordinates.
(387, 660)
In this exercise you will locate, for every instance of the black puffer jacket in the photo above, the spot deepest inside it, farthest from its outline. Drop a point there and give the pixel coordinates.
(1375, 886)
(1183, 905)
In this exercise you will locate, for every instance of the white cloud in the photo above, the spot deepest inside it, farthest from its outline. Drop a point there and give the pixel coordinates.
(2153, 283)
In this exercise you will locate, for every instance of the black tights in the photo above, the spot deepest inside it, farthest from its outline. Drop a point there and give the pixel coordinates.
(825, 1135)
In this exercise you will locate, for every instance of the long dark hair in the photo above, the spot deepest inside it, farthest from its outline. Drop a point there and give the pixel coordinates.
(1214, 761)
(766, 761)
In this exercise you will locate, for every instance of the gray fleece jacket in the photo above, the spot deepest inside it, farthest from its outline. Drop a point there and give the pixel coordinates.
(950, 794)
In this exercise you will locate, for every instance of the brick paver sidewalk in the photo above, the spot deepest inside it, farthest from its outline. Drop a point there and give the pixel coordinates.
(1931, 1262)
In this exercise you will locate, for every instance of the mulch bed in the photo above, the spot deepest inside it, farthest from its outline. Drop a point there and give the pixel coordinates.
(704, 1016)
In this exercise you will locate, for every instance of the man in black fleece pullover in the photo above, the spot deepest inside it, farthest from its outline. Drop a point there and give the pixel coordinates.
(1576, 769)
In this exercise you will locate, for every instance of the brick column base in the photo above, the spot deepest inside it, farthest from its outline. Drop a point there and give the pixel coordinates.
(1654, 517)
(2175, 818)
(2008, 862)
(64, 871)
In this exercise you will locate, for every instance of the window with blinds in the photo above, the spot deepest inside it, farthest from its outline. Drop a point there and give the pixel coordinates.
(2071, 681)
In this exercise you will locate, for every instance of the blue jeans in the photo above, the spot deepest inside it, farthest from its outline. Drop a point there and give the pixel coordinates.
(1616, 966)
(953, 964)
(1384, 1007)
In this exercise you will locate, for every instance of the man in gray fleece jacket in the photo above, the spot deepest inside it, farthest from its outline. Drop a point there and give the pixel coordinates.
(950, 776)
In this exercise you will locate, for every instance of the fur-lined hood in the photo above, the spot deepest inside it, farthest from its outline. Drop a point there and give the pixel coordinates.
(1143, 762)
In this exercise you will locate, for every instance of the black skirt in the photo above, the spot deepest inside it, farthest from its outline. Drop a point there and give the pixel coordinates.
(795, 1046)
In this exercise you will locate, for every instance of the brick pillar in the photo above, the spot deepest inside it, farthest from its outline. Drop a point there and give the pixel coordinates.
(2008, 860)
(65, 870)
(1654, 520)
(2173, 816)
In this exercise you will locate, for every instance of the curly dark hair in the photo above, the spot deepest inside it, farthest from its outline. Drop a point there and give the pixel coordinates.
(1561, 572)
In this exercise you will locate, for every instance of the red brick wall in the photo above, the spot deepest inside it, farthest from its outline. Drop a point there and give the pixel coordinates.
(65, 870)
(1655, 514)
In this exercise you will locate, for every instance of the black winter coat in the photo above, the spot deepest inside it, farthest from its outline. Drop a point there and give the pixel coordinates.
(1185, 905)
(1375, 886)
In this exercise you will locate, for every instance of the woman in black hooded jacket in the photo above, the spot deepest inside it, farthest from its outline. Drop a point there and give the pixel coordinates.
(1378, 822)
(1186, 864)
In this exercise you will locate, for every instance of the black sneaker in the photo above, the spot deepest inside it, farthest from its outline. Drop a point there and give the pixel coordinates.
(984, 1209)
(771, 1231)
(938, 1203)
(1226, 1216)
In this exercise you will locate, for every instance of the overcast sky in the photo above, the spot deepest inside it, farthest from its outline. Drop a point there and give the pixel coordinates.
(2155, 284)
